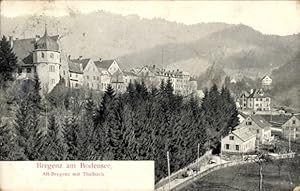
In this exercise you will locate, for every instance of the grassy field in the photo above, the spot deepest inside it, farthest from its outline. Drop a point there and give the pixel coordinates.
(246, 177)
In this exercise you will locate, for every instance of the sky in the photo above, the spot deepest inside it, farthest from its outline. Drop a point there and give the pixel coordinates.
(269, 17)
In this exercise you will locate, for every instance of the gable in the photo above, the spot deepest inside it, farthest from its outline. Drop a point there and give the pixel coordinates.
(290, 122)
(236, 139)
(114, 67)
(91, 67)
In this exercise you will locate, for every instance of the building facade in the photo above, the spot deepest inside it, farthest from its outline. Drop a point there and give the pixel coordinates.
(255, 100)
(241, 140)
(38, 57)
(259, 125)
(291, 128)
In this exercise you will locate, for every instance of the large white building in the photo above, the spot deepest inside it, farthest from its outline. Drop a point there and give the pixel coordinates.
(39, 57)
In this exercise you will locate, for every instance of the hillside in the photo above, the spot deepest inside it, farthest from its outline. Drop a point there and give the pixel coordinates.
(286, 81)
(106, 35)
(239, 49)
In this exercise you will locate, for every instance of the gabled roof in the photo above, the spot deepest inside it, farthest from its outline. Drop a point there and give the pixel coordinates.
(75, 67)
(244, 133)
(128, 73)
(243, 115)
(297, 116)
(260, 121)
(265, 77)
(258, 93)
(84, 62)
(104, 63)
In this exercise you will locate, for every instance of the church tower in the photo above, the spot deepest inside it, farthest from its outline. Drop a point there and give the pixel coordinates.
(46, 58)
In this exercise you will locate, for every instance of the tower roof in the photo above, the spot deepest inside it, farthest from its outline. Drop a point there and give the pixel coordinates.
(47, 43)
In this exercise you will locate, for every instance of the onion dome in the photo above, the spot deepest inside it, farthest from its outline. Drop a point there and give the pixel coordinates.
(47, 43)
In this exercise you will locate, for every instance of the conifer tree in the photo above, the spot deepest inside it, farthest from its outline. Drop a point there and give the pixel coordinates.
(71, 137)
(6, 142)
(114, 128)
(8, 62)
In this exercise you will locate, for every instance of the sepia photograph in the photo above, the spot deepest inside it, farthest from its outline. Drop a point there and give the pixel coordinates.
(149, 95)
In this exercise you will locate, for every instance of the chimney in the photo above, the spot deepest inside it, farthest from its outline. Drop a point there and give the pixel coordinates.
(11, 42)
(37, 37)
(69, 57)
(79, 58)
(153, 66)
(100, 59)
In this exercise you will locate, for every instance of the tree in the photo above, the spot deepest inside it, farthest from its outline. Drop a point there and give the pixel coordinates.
(71, 137)
(114, 128)
(8, 62)
(262, 159)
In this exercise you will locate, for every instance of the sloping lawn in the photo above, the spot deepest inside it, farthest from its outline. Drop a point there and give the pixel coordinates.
(246, 177)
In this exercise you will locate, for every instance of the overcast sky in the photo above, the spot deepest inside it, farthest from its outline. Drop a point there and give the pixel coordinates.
(269, 17)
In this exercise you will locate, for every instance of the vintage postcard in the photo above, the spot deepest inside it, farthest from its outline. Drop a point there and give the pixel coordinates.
(149, 95)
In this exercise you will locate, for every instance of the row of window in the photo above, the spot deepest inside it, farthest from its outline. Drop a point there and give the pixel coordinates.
(29, 70)
(237, 147)
(51, 55)
(94, 77)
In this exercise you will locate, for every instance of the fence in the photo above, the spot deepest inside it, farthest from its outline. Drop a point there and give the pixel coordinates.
(178, 173)
(223, 165)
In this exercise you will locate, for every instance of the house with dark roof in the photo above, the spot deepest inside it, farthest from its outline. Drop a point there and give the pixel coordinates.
(241, 140)
(90, 73)
(291, 128)
(259, 125)
(111, 66)
(39, 57)
(76, 74)
(255, 100)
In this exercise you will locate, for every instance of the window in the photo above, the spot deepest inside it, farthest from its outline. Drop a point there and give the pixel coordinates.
(297, 135)
(98, 78)
(87, 77)
(76, 76)
(19, 70)
(248, 122)
(43, 55)
(231, 137)
(267, 99)
(237, 147)
(260, 99)
(52, 68)
(64, 72)
(51, 55)
(227, 146)
(94, 77)
(294, 122)
(88, 85)
(76, 85)
(257, 131)
(256, 99)
(92, 85)
(28, 70)
(98, 86)
(70, 74)
(52, 81)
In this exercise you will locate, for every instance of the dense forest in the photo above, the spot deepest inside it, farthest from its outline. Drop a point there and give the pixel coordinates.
(139, 124)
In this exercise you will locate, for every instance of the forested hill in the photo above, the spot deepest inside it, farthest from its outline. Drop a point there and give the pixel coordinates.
(134, 41)
(286, 81)
(238, 49)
